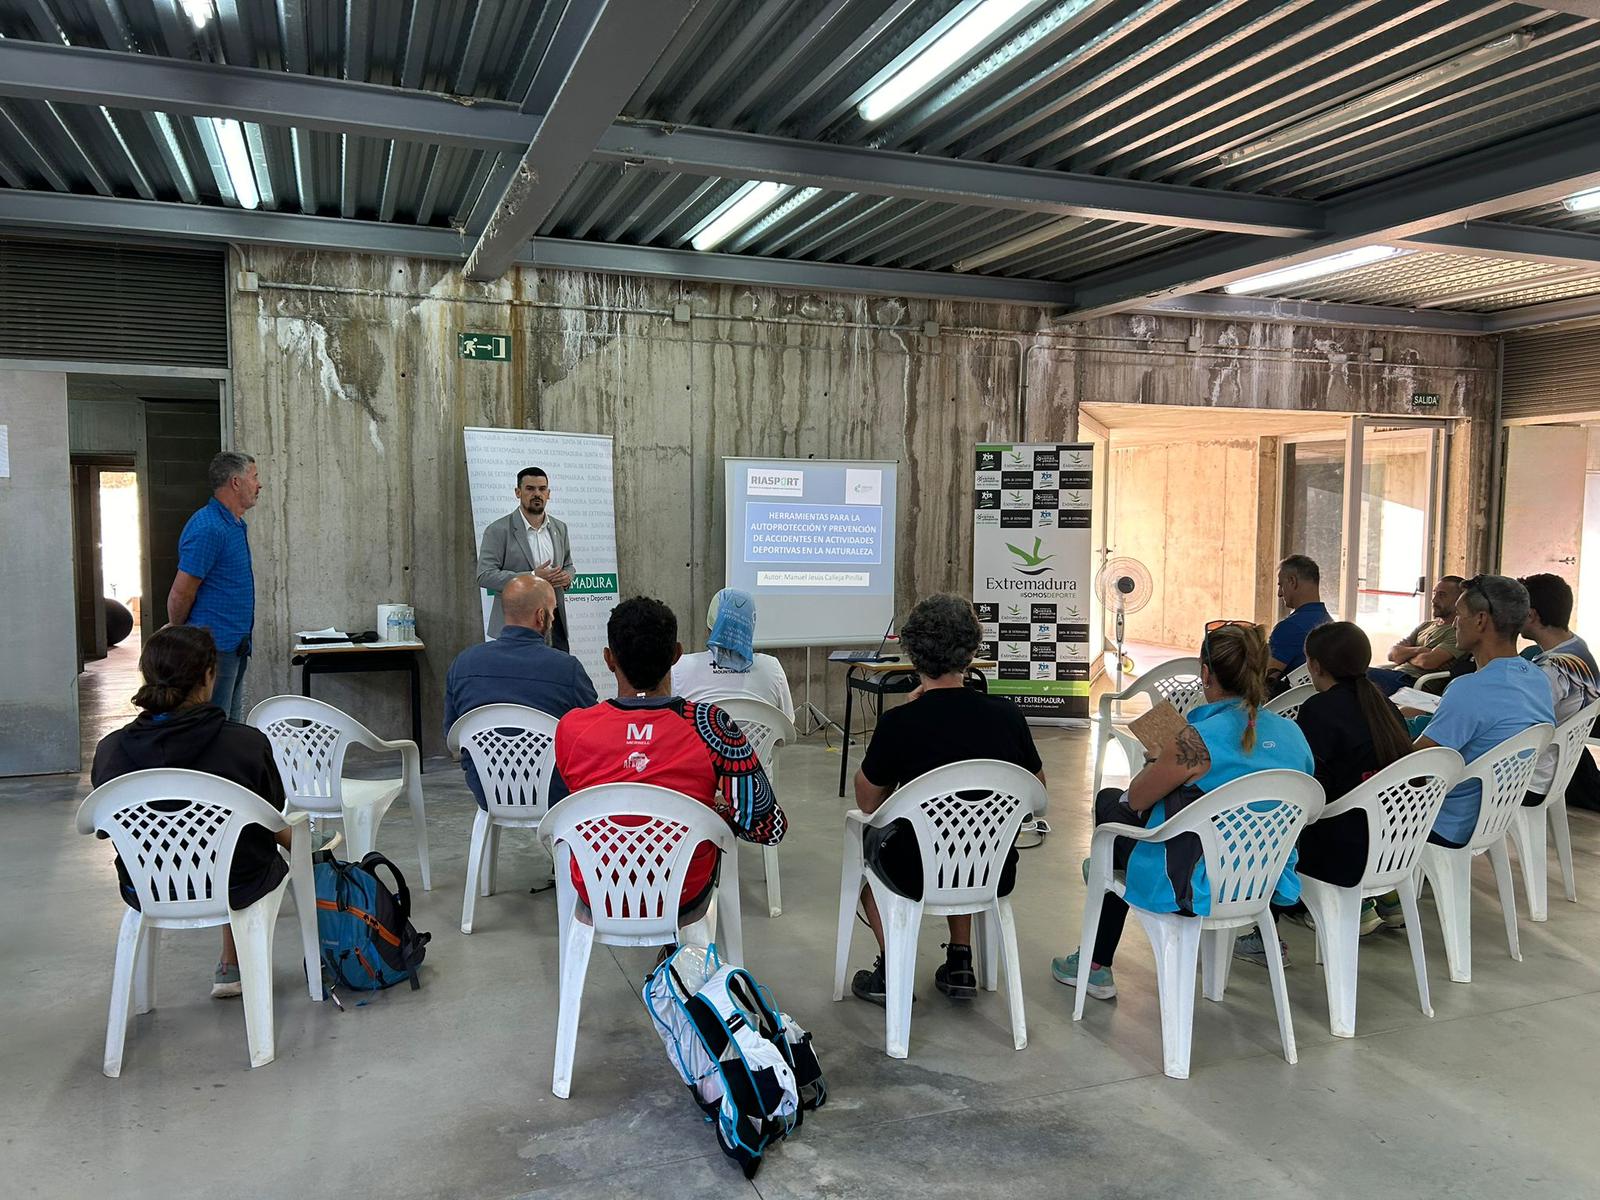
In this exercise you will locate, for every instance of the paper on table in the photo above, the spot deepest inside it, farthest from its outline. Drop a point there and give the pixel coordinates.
(1409, 697)
(329, 632)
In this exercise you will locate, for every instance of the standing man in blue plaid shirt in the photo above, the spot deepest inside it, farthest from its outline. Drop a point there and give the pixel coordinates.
(215, 586)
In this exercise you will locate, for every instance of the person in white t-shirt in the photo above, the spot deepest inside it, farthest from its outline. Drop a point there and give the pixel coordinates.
(730, 666)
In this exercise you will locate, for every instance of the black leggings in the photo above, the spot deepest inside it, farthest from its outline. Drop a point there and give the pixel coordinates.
(1109, 808)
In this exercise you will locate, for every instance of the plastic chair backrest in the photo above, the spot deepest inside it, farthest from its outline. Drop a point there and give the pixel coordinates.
(1503, 773)
(513, 749)
(764, 726)
(633, 873)
(309, 740)
(1299, 677)
(1177, 682)
(1247, 829)
(1571, 740)
(1287, 705)
(966, 816)
(1402, 801)
(177, 860)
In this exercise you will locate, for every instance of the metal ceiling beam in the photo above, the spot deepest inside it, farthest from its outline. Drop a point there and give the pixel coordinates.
(110, 217)
(1556, 312)
(619, 48)
(76, 75)
(32, 70)
(1216, 307)
(1535, 169)
(1522, 243)
(951, 181)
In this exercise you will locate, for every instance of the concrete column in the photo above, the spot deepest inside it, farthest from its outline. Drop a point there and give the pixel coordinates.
(38, 648)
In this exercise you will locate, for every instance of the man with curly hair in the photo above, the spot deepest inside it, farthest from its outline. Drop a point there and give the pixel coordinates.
(945, 722)
(648, 735)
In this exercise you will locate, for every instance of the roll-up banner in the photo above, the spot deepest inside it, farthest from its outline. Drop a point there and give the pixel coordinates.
(1032, 562)
(581, 495)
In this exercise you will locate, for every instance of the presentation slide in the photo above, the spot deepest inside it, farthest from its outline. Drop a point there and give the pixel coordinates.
(813, 541)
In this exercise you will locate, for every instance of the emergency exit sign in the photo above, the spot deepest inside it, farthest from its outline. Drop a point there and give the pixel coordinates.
(485, 347)
(1424, 399)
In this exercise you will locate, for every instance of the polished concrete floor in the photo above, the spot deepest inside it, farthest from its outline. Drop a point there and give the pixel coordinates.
(446, 1092)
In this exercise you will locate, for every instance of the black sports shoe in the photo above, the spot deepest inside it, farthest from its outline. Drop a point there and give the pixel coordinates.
(869, 985)
(956, 978)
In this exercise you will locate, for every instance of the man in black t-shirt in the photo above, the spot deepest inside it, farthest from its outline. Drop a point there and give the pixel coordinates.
(944, 723)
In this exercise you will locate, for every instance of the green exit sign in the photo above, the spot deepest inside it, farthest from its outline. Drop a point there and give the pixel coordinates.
(485, 347)
(1424, 399)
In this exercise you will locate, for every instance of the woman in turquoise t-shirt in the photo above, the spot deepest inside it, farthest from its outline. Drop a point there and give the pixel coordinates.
(1226, 737)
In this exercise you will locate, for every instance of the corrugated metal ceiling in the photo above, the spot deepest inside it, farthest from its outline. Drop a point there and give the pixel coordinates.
(1154, 90)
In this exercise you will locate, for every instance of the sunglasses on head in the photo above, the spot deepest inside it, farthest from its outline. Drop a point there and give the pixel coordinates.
(1212, 627)
(1475, 584)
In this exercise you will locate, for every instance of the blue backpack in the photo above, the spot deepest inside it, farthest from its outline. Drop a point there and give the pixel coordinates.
(368, 941)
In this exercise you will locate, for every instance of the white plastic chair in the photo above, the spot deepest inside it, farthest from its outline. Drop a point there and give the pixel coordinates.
(1429, 677)
(1287, 704)
(1246, 829)
(1177, 682)
(1503, 775)
(965, 816)
(1528, 824)
(768, 731)
(513, 749)
(634, 875)
(1401, 802)
(1299, 677)
(178, 863)
(309, 740)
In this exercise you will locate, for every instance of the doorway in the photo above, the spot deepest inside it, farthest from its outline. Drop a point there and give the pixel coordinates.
(1210, 499)
(1364, 503)
(1550, 509)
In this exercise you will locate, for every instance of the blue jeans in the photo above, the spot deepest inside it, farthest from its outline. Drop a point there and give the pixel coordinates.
(229, 692)
(1389, 682)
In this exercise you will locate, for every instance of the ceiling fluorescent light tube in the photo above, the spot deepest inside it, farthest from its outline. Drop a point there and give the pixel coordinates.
(1384, 98)
(236, 157)
(952, 47)
(745, 206)
(1027, 241)
(1333, 264)
(198, 12)
(1583, 201)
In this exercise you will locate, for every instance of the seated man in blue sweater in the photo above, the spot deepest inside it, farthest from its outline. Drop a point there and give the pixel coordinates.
(518, 667)
(1300, 590)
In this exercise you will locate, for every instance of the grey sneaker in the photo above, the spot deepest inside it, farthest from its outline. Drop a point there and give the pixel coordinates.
(1251, 948)
(225, 981)
(1390, 911)
(1371, 922)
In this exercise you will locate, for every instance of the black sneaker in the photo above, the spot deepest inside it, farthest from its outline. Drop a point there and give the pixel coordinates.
(956, 978)
(869, 985)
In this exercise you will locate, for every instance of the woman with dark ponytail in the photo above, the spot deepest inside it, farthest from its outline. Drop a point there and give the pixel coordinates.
(180, 727)
(1354, 732)
(1225, 738)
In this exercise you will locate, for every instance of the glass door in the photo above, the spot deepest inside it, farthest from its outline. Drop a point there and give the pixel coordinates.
(1365, 506)
(1396, 549)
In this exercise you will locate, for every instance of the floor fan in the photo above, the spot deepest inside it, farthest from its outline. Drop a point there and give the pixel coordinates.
(1124, 587)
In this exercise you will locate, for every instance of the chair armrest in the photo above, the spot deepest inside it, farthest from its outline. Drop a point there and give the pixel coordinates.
(298, 817)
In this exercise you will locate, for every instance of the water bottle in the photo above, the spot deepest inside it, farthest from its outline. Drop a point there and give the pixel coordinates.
(392, 630)
(410, 627)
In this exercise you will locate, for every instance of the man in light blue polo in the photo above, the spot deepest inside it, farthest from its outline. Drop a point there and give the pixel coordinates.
(1504, 696)
(215, 586)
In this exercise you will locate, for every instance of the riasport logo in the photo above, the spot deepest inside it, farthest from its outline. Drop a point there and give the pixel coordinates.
(763, 481)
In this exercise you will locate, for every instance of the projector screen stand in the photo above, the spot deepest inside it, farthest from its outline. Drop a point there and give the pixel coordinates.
(813, 716)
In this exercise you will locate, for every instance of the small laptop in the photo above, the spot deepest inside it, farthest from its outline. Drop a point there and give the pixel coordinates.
(866, 656)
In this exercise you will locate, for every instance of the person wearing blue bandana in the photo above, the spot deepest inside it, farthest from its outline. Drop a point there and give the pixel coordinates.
(1227, 737)
(730, 666)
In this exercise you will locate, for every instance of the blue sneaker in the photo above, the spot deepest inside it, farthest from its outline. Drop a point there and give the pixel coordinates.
(1101, 985)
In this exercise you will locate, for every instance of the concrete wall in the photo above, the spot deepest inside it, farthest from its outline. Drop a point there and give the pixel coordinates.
(348, 388)
(1161, 490)
(38, 656)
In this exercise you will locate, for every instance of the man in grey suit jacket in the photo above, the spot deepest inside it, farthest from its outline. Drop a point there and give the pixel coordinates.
(528, 542)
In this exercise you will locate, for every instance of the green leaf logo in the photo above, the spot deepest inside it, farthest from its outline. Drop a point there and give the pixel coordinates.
(1031, 558)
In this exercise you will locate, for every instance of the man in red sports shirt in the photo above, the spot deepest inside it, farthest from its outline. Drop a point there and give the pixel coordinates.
(648, 735)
